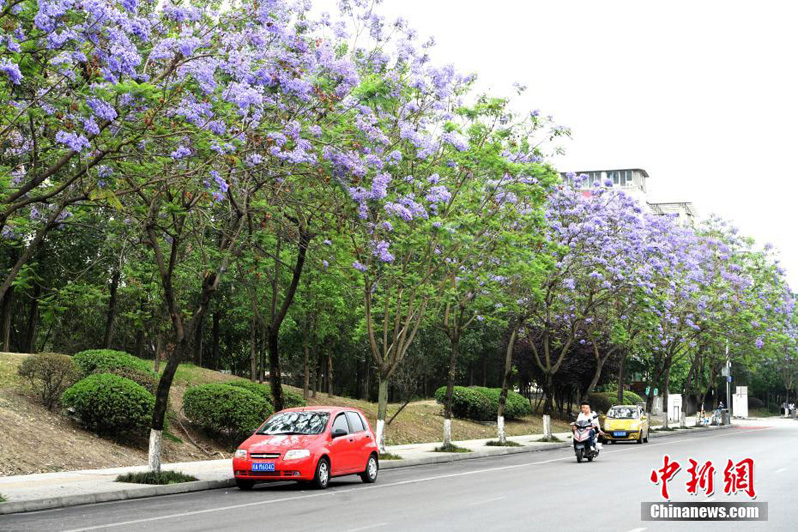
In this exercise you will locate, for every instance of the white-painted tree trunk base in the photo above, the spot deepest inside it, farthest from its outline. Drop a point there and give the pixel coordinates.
(502, 434)
(381, 435)
(447, 432)
(547, 427)
(156, 439)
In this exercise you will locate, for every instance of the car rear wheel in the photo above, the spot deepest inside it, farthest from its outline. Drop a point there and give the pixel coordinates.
(245, 485)
(322, 477)
(369, 476)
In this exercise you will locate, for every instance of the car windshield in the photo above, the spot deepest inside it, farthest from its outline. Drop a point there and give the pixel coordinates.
(295, 423)
(622, 413)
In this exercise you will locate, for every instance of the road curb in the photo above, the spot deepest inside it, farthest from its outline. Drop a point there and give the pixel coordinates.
(36, 505)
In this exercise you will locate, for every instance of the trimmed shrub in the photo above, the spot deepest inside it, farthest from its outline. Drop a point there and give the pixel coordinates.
(515, 407)
(160, 478)
(599, 402)
(221, 409)
(105, 360)
(755, 404)
(49, 374)
(145, 379)
(110, 404)
(468, 403)
(291, 399)
(629, 397)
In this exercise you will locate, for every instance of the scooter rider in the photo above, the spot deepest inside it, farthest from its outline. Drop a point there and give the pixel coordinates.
(587, 415)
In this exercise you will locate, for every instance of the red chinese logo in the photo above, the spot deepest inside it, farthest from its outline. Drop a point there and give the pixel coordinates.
(739, 477)
(663, 475)
(703, 478)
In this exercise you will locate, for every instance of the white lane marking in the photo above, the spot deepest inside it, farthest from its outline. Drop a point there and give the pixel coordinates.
(782, 470)
(400, 483)
(638, 529)
(369, 527)
(476, 503)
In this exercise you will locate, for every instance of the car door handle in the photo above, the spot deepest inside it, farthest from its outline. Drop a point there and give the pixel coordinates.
(351, 439)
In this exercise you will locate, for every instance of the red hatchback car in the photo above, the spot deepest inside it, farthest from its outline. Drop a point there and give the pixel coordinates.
(308, 444)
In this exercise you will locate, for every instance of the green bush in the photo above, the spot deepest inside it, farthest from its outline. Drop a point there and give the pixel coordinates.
(599, 402)
(515, 407)
(755, 404)
(290, 398)
(470, 403)
(145, 379)
(105, 360)
(49, 374)
(629, 397)
(160, 478)
(110, 404)
(221, 409)
(467, 403)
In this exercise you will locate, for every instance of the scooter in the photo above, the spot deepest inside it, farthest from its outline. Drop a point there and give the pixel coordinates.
(582, 447)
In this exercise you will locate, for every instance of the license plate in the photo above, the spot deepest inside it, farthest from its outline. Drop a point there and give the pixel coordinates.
(619, 434)
(263, 466)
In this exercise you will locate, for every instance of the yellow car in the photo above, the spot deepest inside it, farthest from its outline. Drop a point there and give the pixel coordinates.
(625, 423)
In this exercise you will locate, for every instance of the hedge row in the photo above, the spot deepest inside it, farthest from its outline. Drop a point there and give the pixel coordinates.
(108, 360)
(290, 398)
(110, 405)
(225, 410)
(482, 404)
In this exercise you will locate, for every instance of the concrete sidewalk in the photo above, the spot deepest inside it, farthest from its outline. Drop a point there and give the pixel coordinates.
(26, 493)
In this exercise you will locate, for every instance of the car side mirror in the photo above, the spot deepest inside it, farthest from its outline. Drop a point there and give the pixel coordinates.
(337, 433)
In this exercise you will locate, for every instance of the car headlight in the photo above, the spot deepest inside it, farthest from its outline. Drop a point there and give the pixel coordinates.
(241, 453)
(296, 454)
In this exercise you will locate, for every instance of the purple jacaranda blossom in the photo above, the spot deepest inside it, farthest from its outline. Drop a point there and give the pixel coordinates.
(101, 109)
(759, 343)
(381, 251)
(356, 265)
(73, 141)
(11, 70)
(401, 211)
(180, 152)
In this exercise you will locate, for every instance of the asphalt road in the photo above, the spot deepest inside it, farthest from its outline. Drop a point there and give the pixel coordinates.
(541, 491)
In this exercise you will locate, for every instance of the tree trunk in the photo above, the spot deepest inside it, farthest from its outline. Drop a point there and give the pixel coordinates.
(111, 315)
(316, 371)
(667, 382)
(367, 381)
(307, 373)
(8, 310)
(215, 340)
(548, 394)
(329, 371)
(275, 375)
(253, 351)
(382, 409)
(594, 381)
(621, 377)
(33, 320)
(454, 341)
(508, 369)
(198, 341)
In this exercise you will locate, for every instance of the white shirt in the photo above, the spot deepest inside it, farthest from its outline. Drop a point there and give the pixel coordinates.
(591, 417)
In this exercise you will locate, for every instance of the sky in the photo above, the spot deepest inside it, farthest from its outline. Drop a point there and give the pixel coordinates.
(701, 94)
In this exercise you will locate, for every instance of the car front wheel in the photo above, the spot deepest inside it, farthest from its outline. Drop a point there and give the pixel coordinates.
(369, 476)
(245, 485)
(322, 478)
